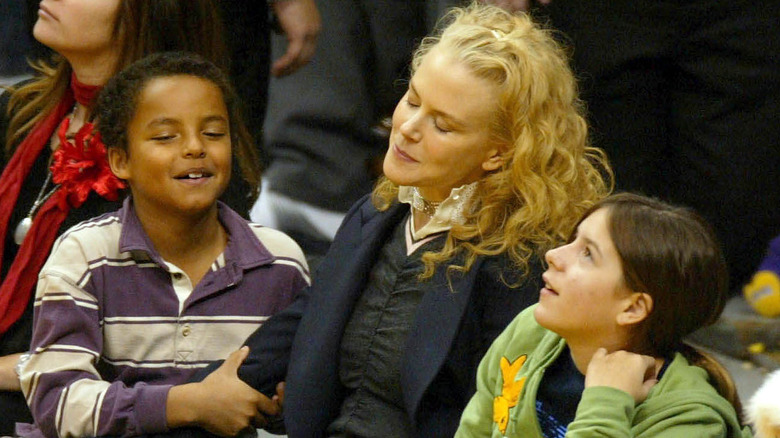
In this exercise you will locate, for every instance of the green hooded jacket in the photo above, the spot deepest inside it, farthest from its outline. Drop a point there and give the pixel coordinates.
(682, 404)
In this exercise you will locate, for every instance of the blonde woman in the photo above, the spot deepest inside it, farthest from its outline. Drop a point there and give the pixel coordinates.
(487, 167)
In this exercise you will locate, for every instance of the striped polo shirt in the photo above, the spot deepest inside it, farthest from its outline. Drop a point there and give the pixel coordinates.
(116, 326)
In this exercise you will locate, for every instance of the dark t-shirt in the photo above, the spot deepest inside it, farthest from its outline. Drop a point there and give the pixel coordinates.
(374, 341)
(559, 394)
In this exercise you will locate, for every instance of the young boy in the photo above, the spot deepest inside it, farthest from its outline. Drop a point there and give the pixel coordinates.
(131, 304)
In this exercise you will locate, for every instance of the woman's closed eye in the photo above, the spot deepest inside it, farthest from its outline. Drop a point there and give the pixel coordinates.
(441, 127)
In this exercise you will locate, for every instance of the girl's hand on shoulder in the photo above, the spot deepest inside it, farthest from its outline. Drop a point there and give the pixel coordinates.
(632, 373)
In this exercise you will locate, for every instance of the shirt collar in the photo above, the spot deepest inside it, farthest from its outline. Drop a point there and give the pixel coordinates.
(451, 211)
(242, 248)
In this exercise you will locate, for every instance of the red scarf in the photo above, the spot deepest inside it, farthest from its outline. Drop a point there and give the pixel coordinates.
(17, 286)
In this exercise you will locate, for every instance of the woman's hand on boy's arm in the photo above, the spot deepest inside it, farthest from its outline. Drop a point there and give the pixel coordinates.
(632, 373)
(222, 403)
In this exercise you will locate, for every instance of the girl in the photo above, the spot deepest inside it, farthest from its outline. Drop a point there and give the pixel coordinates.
(602, 353)
(132, 303)
(486, 161)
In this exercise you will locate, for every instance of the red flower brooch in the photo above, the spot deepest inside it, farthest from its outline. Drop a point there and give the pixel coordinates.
(81, 166)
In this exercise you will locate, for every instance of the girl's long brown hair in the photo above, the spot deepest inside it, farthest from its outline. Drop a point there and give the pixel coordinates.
(673, 255)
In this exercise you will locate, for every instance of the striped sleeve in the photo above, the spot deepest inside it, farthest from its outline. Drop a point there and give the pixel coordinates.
(284, 249)
(61, 382)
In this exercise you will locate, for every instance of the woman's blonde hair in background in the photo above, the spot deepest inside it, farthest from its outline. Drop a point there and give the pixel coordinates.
(550, 174)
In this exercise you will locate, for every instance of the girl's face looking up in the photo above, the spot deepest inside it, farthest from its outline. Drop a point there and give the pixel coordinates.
(178, 156)
(584, 288)
(78, 28)
(440, 137)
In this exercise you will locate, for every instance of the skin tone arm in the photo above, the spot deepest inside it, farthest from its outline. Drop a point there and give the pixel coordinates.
(301, 23)
(629, 372)
(9, 381)
(222, 403)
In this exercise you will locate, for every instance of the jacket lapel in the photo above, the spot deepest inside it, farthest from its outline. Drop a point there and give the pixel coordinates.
(436, 324)
(314, 356)
(354, 257)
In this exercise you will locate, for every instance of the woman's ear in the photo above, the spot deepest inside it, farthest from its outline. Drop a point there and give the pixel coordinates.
(637, 308)
(117, 160)
(494, 160)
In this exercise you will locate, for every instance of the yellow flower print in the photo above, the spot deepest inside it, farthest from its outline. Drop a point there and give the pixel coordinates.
(510, 391)
(501, 413)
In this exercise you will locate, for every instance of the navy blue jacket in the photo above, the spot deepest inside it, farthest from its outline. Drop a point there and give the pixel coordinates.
(451, 332)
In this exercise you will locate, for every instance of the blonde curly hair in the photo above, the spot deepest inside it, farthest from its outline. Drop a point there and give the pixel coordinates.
(550, 175)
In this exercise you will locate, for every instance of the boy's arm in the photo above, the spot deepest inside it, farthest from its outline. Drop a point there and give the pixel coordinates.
(60, 381)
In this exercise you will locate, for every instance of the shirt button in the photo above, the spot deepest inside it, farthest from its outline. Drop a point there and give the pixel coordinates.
(186, 331)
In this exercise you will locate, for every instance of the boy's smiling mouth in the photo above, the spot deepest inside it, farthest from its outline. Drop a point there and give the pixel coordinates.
(194, 174)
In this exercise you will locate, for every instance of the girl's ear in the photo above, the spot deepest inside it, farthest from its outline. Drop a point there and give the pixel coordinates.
(117, 160)
(636, 309)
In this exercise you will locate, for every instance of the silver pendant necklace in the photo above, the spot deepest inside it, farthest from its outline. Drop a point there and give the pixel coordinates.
(423, 205)
(25, 224)
(23, 227)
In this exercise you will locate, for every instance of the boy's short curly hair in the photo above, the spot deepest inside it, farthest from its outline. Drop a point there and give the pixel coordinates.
(118, 101)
